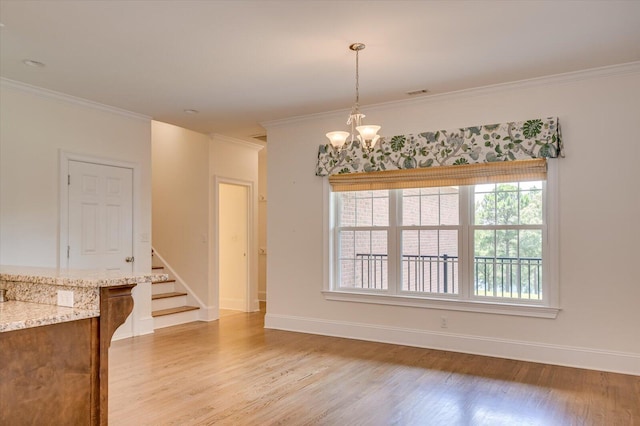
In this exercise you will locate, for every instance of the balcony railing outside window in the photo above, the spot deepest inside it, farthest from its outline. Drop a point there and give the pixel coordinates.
(508, 277)
(430, 273)
(503, 277)
(371, 270)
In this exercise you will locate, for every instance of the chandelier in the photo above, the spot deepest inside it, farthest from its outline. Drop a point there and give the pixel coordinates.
(368, 134)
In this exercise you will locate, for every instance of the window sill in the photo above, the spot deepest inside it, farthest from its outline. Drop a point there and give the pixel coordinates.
(450, 305)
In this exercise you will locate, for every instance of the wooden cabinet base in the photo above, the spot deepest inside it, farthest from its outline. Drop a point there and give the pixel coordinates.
(47, 375)
(58, 374)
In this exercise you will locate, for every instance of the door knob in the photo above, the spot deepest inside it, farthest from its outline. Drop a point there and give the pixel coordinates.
(129, 259)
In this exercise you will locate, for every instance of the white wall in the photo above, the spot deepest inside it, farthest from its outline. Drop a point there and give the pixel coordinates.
(35, 125)
(599, 242)
(234, 161)
(180, 159)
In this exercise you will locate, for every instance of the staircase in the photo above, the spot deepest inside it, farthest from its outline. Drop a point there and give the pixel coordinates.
(169, 304)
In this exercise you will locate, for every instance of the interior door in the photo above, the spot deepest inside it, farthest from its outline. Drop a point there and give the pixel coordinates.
(233, 244)
(100, 217)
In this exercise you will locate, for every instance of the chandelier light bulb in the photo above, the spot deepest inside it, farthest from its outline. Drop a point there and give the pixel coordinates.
(368, 133)
(337, 139)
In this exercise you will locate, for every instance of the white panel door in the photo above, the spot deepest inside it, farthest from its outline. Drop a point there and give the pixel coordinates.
(233, 244)
(100, 217)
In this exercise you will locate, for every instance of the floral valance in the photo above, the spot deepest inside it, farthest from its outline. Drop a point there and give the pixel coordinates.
(520, 140)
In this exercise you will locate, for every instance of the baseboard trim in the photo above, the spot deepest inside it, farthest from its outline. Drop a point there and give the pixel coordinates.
(143, 326)
(233, 304)
(209, 313)
(119, 335)
(255, 305)
(138, 327)
(578, 357)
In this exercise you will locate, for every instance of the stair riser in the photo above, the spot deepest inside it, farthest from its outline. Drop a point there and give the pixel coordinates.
(169, 302)
(163, 288)
(175, 319)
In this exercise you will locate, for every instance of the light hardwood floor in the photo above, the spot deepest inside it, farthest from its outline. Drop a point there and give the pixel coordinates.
(234, 372)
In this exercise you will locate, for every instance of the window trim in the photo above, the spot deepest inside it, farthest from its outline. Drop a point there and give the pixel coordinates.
(550, 309)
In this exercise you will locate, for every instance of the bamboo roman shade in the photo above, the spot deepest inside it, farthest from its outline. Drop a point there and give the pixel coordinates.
(471, 174)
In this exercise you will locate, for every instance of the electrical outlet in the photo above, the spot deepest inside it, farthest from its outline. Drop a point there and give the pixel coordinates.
(443, 322)
(65, 298)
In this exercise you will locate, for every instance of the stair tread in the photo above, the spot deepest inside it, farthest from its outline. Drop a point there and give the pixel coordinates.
(170, 311)
(167, 295)
(163, 282)
(157, 267)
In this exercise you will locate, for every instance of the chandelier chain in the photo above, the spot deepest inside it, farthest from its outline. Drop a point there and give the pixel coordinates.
(357, 80)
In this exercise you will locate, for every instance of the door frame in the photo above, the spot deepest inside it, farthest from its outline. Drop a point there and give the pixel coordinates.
(63, 192)
(251, 292)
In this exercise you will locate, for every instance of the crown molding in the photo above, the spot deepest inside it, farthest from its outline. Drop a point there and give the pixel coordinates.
(236, 141)
(592, 73)
(51, 94)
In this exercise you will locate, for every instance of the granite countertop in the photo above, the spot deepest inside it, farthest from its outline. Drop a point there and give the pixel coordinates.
(33, 293)
(16, 315)
(74, 277)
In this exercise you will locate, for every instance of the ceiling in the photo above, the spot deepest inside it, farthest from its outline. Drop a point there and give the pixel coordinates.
(240, 63)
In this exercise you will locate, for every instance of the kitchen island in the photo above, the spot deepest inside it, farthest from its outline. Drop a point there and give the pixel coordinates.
(54, 359)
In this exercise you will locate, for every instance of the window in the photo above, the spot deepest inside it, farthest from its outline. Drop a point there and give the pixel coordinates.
(507, 236)
(469, 245)
(429, 229)
(363, 240)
